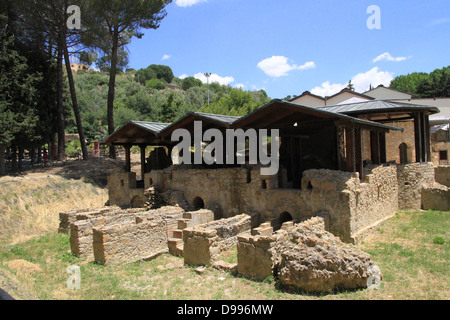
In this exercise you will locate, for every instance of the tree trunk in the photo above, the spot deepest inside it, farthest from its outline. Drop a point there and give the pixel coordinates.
(2, 160)
(76, 109)
(20, 158)
(111, 92)
(13, 159)
(61, 122)
(32, 156)
(39, 154)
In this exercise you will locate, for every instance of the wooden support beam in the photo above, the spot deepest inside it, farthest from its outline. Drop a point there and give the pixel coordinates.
(127, 158)
(418, 136)
(427, 137)
(350, 149)
(423, 137)
(142, 161)
(358, 152)
(382, 144)
(340, 140)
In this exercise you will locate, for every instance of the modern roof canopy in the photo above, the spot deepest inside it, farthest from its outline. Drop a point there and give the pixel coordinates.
(276, 114)
(137, 132)
(280, 112)
(208, 120)
(381, 110)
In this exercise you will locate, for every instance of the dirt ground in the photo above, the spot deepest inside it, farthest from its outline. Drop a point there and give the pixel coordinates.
(96, 168)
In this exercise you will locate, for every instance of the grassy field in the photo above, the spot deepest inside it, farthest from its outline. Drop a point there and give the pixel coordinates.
(29, 206)
(411, 249)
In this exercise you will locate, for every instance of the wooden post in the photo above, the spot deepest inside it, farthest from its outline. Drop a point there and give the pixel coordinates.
(358, 153)
(427, 137)
(127, 158)
(382, 144)
(142, 161)
(350, 149)
(340, 141)
(418, 136)
(423, 137)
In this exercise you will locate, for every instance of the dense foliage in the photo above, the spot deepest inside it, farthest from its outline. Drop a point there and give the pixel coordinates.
(150, 99)
(425, 85)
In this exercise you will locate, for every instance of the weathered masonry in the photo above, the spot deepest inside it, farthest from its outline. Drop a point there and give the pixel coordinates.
(333, 162)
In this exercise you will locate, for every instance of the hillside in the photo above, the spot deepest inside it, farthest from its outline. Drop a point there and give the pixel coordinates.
(153, 100)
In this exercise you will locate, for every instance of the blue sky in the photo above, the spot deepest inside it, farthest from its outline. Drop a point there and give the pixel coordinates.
(287, 47)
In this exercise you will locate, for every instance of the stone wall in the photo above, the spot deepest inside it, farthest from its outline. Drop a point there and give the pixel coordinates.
(141, 239)
(411, 178)
(436, 197)
(123, 191)
(442, 175)
(81, 230)
(352, 206)
(258, 253)
(219, 189)
(373, 200)
(68, 217)
(84, 223)
(436, 147)
(204, 243)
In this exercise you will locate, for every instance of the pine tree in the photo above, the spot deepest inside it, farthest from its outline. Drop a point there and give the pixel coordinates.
(18, 114)
(112, 24)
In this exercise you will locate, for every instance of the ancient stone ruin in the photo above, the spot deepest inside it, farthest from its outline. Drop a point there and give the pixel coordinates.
(302, 257)
(204, 243)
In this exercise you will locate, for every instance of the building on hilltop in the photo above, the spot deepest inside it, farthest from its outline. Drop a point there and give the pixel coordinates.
(78, 67)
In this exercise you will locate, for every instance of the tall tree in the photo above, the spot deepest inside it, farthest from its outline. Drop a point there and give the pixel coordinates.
(18, 114)
(88, 57)
(408, 83)
(50, 18)
(423, 85)
(436, 85)
(112, 24)
(71, 38)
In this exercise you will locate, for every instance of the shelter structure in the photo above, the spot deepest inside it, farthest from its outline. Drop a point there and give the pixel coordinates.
(332, 162)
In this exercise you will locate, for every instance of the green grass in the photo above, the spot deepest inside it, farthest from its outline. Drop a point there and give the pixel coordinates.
(413, 262)
(414, 266)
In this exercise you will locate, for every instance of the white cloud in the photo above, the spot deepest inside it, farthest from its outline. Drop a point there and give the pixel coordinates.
(307, 65)
(388, 57)
(188, 3)
(183, 76)
(278, 66)
(361, 82)
(327, 89)
(374, 77)
(214, 78)
(166, 57)
(239, 85)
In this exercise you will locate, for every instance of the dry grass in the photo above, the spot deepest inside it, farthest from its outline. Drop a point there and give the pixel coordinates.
(30, 203)
(29, 206)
